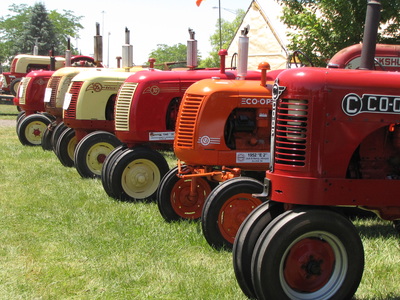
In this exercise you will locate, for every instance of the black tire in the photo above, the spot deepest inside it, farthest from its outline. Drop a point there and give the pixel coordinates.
(21, 115)
(246, 239)
(107, 165)
(65, 147)
(136, 174)
(91, 152)
(46, 139)
(56, 134)
(14, 86)
(173, 197)
(226, 208)
(31, 128)
(308, 253)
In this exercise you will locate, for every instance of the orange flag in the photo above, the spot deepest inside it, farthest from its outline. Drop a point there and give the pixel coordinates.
(198, 2)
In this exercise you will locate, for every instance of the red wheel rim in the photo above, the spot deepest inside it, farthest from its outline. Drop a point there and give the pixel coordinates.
(189, 206)
(309, 265)
(233, 213)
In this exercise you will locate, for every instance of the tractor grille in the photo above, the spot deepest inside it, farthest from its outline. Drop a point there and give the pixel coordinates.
(291, 132)
(24, 85)
(123, 105)
(53, 85)
(74, 91)
(187, 120)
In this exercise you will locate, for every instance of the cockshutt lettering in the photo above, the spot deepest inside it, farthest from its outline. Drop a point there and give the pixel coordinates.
(389, 61)
(352, 104)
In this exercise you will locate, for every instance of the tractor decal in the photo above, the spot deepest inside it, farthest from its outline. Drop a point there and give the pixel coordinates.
(154, 90)
(352, 104)
(162, 136)
(255, 101)
(253, 157)
(205, 140)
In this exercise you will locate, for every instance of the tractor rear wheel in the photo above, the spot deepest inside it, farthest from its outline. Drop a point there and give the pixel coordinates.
(246, 239)
(308, 254)
(31, 129)
(226, 208)
(174, 198)
(91, 152)
(136, 174)
(65, 147)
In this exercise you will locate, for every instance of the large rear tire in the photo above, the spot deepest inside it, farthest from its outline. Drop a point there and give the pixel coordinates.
(308, 253)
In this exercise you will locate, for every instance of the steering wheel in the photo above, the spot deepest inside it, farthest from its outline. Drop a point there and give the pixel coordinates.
(299, 59)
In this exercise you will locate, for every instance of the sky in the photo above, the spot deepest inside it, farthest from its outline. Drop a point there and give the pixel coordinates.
(150, 22)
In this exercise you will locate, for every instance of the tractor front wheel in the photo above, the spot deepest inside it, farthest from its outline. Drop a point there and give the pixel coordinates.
(65, 147)
(31, 128)
(136, 174)
(246, 239)
(308, 254)
(226, 208)
(180, 198)
(91, 152)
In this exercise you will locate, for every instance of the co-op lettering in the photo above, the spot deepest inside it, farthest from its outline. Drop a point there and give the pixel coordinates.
(255, 101)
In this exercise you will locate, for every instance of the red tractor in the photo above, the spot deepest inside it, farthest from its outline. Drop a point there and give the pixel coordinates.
(334, 143)
(146, 111)
(223, 132)
(33, 118)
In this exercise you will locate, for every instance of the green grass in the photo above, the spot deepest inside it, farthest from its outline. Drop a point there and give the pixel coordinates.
(8, 112)
(62, 237)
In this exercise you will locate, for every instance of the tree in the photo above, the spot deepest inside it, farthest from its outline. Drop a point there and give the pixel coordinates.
(39, 29)
(228, 31)
(167, 54)
(320, 28)
(14, 25)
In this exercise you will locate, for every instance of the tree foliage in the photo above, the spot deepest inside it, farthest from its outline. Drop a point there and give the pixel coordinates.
(320, 28)
(19, 29)
(228, 31)
(168, 54)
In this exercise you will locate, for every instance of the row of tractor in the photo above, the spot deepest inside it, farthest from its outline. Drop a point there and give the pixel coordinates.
(328, 136)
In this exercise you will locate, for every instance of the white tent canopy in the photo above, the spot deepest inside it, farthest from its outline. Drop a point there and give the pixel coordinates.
(267, 35)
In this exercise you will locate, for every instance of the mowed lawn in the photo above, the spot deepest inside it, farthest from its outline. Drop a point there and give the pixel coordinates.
(62, 237)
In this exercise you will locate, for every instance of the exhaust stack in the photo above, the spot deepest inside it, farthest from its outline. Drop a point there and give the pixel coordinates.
(372, 19)
(98, 46)
(127, 51)
(36, 48)
(68, 54)
(191, 56)
(243, 53)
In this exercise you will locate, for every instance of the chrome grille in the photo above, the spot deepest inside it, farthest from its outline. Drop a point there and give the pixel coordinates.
(24, 84)
(123, 105)
(74, 91)
(53, 85)
(291, 132)
(190, 108)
